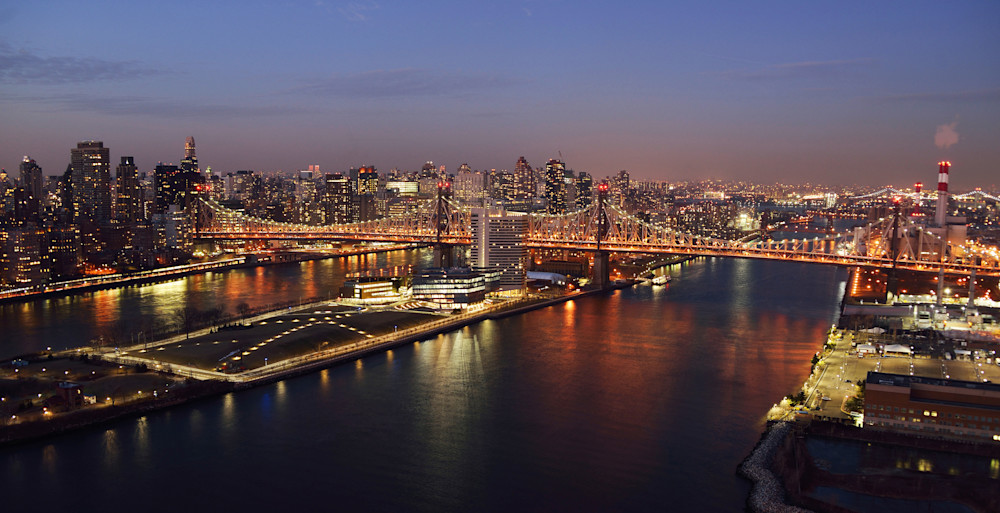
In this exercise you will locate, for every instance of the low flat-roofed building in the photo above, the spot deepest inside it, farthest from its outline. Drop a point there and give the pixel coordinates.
(451, 288)
(933, 407)
(370, 290)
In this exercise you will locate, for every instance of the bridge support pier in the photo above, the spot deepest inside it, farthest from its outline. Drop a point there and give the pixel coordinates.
(601, 271)
(443, 256)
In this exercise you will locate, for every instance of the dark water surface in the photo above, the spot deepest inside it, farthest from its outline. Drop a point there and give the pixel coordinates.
(645, 399)
(72, 321)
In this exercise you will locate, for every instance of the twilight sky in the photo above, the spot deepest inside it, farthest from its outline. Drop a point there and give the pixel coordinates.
(831, 92)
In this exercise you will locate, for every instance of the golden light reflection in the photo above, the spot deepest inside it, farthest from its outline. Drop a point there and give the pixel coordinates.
(141, 438)
(111, 448)
(281, 392)
(228, 414)
(49, 458)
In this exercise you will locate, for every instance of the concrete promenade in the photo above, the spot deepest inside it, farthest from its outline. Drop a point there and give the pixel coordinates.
(276, 370)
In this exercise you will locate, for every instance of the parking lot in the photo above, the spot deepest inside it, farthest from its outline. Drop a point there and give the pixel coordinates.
(840, 371)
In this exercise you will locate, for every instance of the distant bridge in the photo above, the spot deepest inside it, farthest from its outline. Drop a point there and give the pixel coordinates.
(605, 227)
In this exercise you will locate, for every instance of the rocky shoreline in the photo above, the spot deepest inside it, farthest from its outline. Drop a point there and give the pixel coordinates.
(768, 493)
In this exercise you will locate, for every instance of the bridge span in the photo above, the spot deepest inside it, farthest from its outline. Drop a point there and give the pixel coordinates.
(889, 243)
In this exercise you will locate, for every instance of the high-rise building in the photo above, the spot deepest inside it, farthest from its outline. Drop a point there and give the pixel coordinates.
(22, 256)
(555, 187)
(173, 185)
(129, 197)
(619, 188)
(584, 190)
(337, 199)
(569, 183)
(367, 189)
(498, 245)
(31, 177)
(165, 181)
(524, 184)
(190, 160)
(470, 186)
(368, 181)
(91, 180)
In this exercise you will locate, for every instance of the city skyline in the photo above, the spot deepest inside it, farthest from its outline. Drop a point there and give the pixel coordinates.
(860, 94)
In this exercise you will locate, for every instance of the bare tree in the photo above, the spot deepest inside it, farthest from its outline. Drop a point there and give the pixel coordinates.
(187, 318)
(244, 310)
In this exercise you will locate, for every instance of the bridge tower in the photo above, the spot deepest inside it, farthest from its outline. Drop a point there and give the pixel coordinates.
(601, 275)
(442, 251)
(892, 284)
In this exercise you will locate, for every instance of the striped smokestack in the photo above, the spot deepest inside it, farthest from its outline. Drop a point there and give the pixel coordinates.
(942, 196)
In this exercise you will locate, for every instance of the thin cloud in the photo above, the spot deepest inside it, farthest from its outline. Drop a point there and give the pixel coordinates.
(146, 106)
(405, 82)
(358, 11)
(980, 95)
(799, 70)
(24, 67)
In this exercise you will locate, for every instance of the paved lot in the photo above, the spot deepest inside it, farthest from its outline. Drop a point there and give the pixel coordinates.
(842, 369)
(285, 336)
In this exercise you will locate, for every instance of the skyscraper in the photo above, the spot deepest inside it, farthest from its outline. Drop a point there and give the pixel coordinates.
(555, 188)
(498, 245)
(619, 188)
(524, 184)
(337, 199)
(91, 180)
(165, 182)
(128, 202)
(584, 190)
(190, 160)
(470, 186)
(31, 177)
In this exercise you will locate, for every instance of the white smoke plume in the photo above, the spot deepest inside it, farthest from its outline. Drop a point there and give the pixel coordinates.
(946, 135)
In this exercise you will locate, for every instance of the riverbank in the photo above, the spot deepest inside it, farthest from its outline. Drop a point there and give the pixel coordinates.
(896, 470)
(826, 462)
(167, 274)
(208, 383)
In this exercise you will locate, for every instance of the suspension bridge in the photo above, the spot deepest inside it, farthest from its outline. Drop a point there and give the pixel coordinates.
(893, 242)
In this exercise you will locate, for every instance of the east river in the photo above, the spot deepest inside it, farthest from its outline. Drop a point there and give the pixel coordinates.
(644, 399)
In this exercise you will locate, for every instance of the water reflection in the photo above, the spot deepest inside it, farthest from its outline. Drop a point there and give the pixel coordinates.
(141, 442)
(624, 402)
(49, 459)
(111, 449)
(73, 321)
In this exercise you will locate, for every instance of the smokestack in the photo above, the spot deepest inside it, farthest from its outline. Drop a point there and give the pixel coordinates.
(942, 196)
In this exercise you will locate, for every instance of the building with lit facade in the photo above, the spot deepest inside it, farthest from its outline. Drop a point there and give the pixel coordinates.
(370, 290)
(932, 407)
(31, 178)
(190, 160)
(524, 185)
(403, 187)
(128, 200)
(498, 245)
(364, 198)
(91, 181)
(584, 190)
(337, 199)
(555, 187)
(470, 186)
(449, 289)
(173, 185)
(22, 256)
